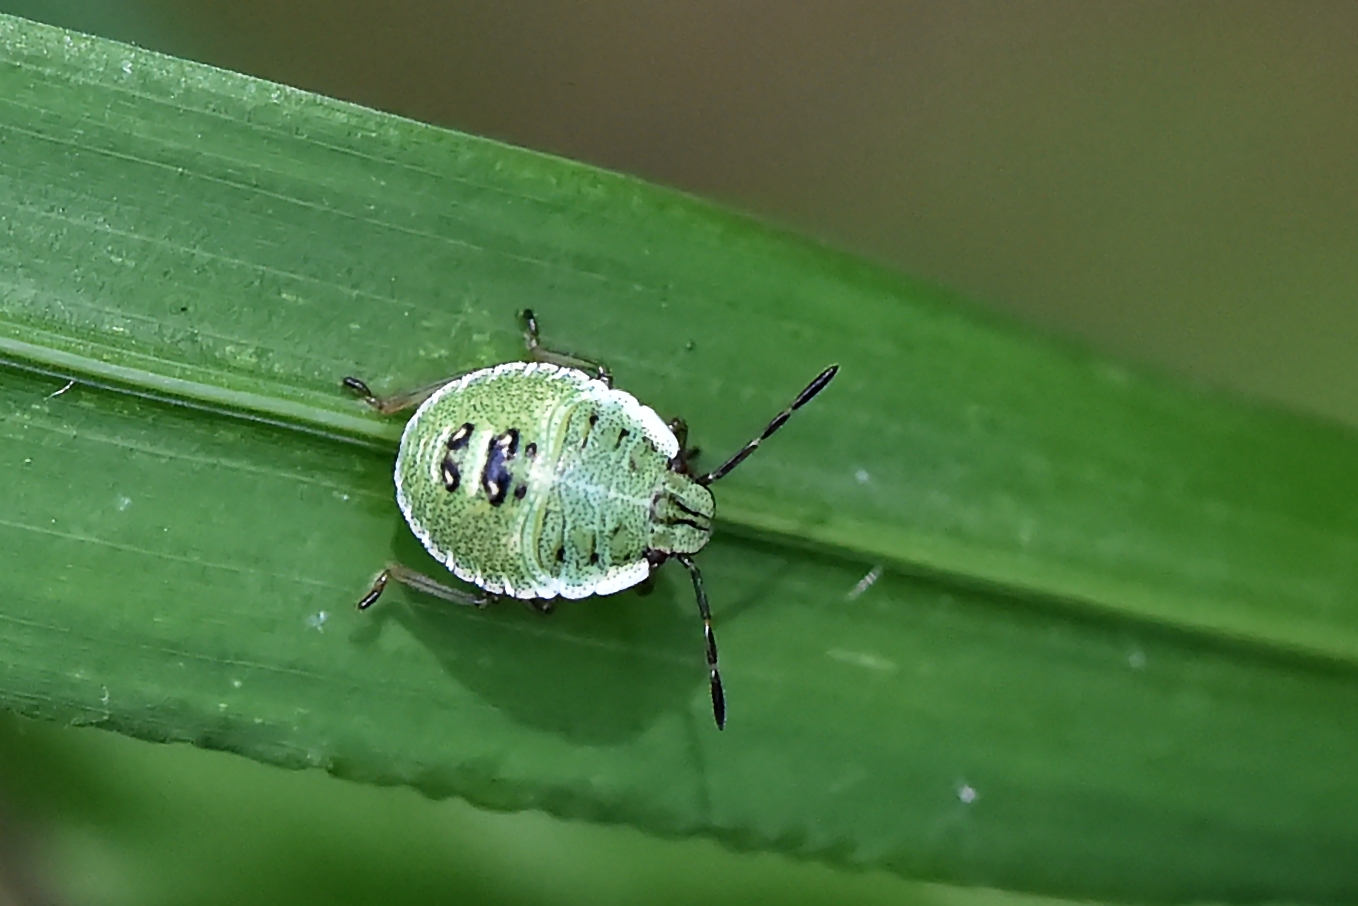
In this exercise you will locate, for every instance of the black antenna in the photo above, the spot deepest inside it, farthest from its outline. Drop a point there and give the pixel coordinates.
(779, 420)
(714, 675)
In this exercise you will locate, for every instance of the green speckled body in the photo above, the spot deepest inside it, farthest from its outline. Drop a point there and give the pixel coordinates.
(535, 480)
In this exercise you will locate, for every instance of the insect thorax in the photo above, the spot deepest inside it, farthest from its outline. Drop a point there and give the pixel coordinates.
(535, 481)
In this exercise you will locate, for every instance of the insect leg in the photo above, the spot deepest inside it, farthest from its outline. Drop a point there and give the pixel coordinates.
(540, 353)
(714, 676)
(679, 428)
(779, 420)
(388, 405)
(421, 582)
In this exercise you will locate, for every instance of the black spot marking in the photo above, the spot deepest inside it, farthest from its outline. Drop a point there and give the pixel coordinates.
(452, 475)
(594, 559)
(520, 491)
(560, 555)
(495, 477)
(459, 438)
(683, 506)
(688, 522)
(622, 436)
(530, 451)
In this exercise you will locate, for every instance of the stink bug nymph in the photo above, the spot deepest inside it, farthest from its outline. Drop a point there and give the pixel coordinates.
(537, 479)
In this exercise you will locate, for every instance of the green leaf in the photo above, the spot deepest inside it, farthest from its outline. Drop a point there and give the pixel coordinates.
(1110, 653)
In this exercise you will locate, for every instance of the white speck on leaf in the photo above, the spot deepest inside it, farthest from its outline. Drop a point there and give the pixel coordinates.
(1137, 660)
(56, 393)
(966, 793)
(124, 503)
(862, 476)
(236, 683)
(864, 583)
(317, 620)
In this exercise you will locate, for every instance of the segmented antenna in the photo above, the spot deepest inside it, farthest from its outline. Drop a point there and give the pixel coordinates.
(779, 420)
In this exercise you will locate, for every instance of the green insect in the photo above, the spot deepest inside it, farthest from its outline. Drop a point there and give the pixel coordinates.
(537, 479)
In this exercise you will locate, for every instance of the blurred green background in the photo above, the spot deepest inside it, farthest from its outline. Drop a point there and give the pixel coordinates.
(1173, 184)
